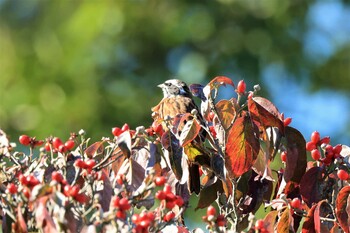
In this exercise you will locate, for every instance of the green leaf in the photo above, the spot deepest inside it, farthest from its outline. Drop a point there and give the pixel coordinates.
(242, 146)
(209, 194)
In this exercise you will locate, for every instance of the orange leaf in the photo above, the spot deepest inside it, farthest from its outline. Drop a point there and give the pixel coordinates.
(309, 224)
(342, 211)
(226, 112)
(284, 222)
(242, 146)
(264, 112)
(220, 80)
(189, 132)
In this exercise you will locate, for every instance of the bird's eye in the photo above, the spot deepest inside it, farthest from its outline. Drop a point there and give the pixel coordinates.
(167, 84)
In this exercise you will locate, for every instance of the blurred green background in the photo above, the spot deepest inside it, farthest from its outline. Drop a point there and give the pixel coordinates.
(67, 65)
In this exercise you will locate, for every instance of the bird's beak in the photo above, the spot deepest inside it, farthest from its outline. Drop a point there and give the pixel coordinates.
(161, 85)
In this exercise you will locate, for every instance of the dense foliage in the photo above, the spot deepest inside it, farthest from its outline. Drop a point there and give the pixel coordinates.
(137, 180)
(57, 53)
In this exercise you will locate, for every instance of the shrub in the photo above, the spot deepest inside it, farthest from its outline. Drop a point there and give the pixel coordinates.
(137, 180)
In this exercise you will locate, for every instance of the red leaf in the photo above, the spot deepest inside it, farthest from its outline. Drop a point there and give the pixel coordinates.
(226, 112)
(323, 209)
(309, 224)
(220, 80)
(296, 159)
(264, 112)
(189, 132)
(172, 146)
(94, 149)
(310, 184)
(242, 146)
(43, 218)
(342, 211)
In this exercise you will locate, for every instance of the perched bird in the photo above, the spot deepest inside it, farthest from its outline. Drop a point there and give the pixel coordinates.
(177, 100)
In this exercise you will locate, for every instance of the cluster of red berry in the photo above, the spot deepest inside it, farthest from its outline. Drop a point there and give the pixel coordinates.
(116, 131)
(168, 198)
(260, 226)
(25, 140)
(122, 205)
(156, 129)
(143, 221)
(213, 219)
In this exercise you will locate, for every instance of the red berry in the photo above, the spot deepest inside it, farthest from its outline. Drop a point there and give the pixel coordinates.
(120, 214)
(80, 163)
(23, 179)
(259, 224)
(179, 201)
(170, 204)
(315, 137)
(169, 216)
(125, 127)
(56, 176)
(160, 195)
(212, 131)
(295, 203)
(211, 210)
(159, 130)
(120, 179)
(74, 191)
(24, 140)
(241, 87)
(62, 148)
(160, 181)
(211, 116)
(81, 198)
(337, 149)
(116, 131)
(145, 223)
(329, 151)
(310, 146)
(26, 192)
(342, 174)
(47, 146)
(12, 188)
(135, 218)
(90, 163)
(220, 220)
(151, 216)
(32, 180)
(66, 190)
(69, 144)
(284, 156)
(56, 143)
(124, 204)
(325, 140)
(287, 121)
(167, 189)
(315, 154)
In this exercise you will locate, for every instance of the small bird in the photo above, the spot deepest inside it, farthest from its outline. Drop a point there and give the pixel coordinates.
(177, 100)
